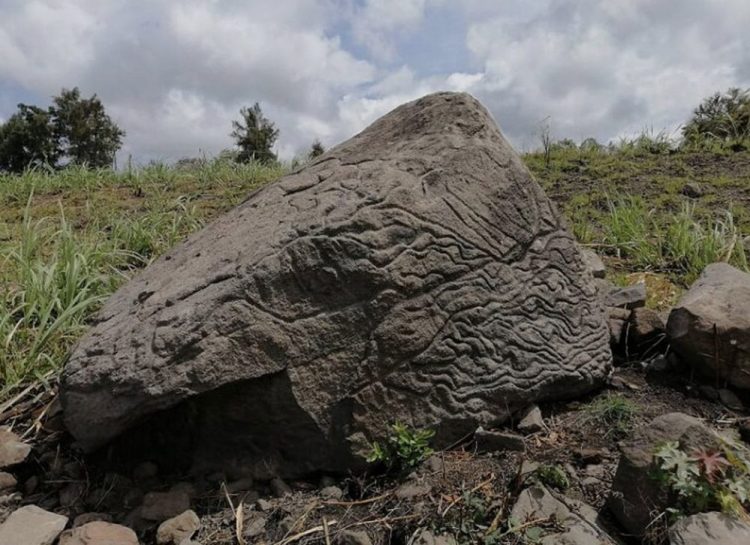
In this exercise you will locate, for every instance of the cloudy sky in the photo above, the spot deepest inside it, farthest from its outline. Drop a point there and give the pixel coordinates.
(174, 73)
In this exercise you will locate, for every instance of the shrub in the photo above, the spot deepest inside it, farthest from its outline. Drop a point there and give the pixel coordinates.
(613, 413)
(404, 449)
(722, 117)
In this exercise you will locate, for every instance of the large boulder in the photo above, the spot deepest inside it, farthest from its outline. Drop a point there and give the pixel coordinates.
(415, 273)
(710, 326)
(710, 529)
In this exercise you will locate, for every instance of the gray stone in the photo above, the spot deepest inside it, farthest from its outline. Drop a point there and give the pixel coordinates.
(240, 485)
(254, 526)
(709, 529)
(7, 482)
(593, 263)
(636, 497)
(12, 450)
(177, 529)
(426, 537)
(416, 272)
(31, 525)
(493, 441)
(279, 488)
(629, 297)
(531, 420)
(646, 331)
(332, 493)
(710, 326)
(577, 521)
(160, 506)
(730, 400)
(263, 505)
(409, 491)
(99, 533)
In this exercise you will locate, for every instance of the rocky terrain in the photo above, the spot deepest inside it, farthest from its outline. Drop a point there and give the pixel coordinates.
(234, 391)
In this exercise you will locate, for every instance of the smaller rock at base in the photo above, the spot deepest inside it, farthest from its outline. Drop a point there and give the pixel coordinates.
(408, 491)
(279, 488)
(178, 529)
(263, 505)
(593, 263)
(32, 525)
(99, 533)
(160, 506)
(254, 526)
(629, 297)
(332, 493)
(730, 400)
(240, 485)
(709, 529)
(12, 450)
(531, 420)
(492, 441)
(351, 537)
(428, 538)
(7, 482)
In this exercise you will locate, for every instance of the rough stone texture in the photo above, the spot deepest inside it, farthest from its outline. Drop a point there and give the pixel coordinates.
(636, 498)
(710, 326)
(646, 332)
(99, 533)
(709, 529)
(577, 520)
(7, 482)
(415, 272)
(593, 263)
(493, 441)
(12, 450)
(177, 529)
(531, 420)
(629, 297)
(31, 525)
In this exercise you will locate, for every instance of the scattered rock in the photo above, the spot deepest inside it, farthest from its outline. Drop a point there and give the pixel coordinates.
(159, 506)
(577, 521)
(694, 190)
(493, 441)
(616, 330)
(351, 537)
(635, 495)
(177, 529)
(12, 450)
(646, 331)
(730, 400)
(7, 482)
(240, 485)
(408, 491)
(85, 518)
(363, 263)
(332, 493)
(99, 533)
(428, 538)
(279, 488)
(254, 526)
(709, 529)
(531, 420)
(31, 525)
(629, 297)
(710, 326)
(593, 263)
(263, 505)
(434, 463)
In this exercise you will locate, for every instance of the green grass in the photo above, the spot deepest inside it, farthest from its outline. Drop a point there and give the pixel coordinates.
(70, 238)
(614, 413)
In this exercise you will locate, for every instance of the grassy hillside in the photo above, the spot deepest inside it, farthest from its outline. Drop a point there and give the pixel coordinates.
(68, 239)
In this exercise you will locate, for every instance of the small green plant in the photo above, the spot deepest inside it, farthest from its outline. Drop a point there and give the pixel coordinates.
(404, 449)
(613, 413)
(715, 479)
(552, 475)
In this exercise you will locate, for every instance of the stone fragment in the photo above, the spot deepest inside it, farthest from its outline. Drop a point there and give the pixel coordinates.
(426, 537)
(12, 450)
(99, 533)
(710, 326)
(255, 526)
(279, 488)
(593, 263)
(160, 506)
(332, 493)
(31, 525)
(531, 420)
(709, 529)
(409, 491)
(7, 482)
(493, 441)
(646, 331)
(629, 297)
(178, 529)
(353, 537)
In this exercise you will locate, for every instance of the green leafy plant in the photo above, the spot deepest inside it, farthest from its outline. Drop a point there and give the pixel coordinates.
(705, 480)
(404, 449)
(552, 475)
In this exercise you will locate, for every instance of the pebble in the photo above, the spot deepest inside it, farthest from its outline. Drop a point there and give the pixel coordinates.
(12, 450)
(263, 505)
(160, 506)
(332, 493)
(279, 488)
(7, 482)
(31, 525)
(531, 420)
(178, 529)
(409, 491)
(491, 441)
(99, 533)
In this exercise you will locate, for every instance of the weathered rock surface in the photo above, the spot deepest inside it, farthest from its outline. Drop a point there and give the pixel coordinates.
(31, 525)
(709, 529)
(577, 520)
(628, 297)
(415, 272)
(178, 529)
(710, 326)
(99, 533)
(636, 498)
(12, 450)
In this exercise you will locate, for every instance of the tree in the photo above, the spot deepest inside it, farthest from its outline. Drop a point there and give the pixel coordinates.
(28, 139)
(87, 135)
(316, 150)
(255, 136)
(724, 117)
